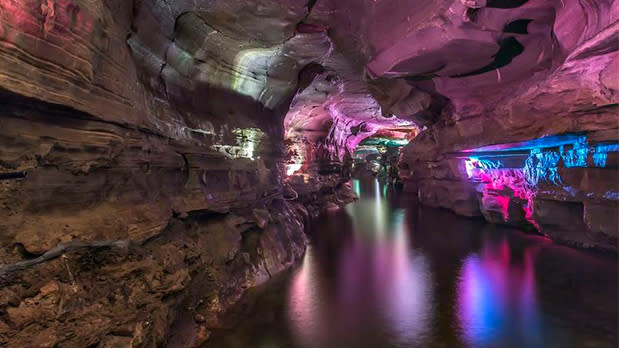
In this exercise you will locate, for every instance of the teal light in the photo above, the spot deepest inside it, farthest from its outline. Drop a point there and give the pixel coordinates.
(356, 186)
(379, 141)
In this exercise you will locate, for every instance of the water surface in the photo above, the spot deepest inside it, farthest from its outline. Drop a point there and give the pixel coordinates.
(384, 272)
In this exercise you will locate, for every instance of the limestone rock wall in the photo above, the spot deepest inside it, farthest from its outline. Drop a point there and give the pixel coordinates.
(166, 291)
(544, 158)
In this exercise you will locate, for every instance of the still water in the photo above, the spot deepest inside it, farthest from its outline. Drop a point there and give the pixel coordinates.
(384, 272)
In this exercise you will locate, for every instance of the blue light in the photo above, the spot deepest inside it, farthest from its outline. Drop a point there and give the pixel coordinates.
(544, 142)
(356, 186)
(599, 159)
(607, 148)
(544, 158)
(601, 154)
(546, 155)
(577, 156)
(611, 195)
(542, 167)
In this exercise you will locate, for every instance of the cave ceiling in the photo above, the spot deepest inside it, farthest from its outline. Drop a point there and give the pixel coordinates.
(333, 71)
(350, 67)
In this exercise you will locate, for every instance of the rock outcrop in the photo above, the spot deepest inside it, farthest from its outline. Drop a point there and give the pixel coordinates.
(544, 154)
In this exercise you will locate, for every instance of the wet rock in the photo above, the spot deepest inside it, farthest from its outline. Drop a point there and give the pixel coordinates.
(602, 219)
(202, 337)
(562, 221)
(4, 328)
(45, 306)
(457, 196)
(143, 290)
(112, 341)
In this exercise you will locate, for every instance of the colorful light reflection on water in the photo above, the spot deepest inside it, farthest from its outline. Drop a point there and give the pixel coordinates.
(384, 272)
(378, 270)
(498, 298)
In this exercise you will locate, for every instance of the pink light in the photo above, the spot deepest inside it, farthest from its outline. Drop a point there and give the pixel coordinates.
(504, 186)
(305, 311)
(504, 201)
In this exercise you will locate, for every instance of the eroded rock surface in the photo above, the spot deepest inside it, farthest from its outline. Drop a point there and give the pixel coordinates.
(539, 157)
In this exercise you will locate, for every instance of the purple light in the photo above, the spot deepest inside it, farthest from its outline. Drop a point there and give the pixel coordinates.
(491, 285)
(544, 142)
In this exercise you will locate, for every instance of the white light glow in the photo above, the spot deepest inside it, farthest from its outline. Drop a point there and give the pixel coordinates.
(292, 168)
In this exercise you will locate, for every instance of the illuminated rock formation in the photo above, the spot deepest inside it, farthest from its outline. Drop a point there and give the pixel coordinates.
(561, 186)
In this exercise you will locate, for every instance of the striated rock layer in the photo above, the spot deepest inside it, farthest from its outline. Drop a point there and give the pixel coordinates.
(111, 235)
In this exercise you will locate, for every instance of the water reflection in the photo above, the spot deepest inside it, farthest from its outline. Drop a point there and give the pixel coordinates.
(382, 283)
(406, 287)
(497, 298)
(384, 272)
(305, 311)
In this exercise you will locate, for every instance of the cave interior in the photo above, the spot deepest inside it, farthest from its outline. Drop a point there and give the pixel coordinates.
(160, 157)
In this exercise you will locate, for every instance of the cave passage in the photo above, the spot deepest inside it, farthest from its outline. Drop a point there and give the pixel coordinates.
(380, 274)
(309, 174)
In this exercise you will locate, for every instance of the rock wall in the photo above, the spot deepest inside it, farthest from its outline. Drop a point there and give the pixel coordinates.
(166, 291)
(112, 234)
(518, 100)
(543, 157)
(142, 168)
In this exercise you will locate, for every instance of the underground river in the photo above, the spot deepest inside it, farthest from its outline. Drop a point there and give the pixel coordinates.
(384, 272)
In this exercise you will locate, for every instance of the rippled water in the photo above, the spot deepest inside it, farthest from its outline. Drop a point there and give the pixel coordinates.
(384, 272)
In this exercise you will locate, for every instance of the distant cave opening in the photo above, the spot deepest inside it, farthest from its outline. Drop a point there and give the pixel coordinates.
(379, 155)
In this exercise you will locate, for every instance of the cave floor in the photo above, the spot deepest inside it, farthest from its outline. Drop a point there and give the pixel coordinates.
(385, 272)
